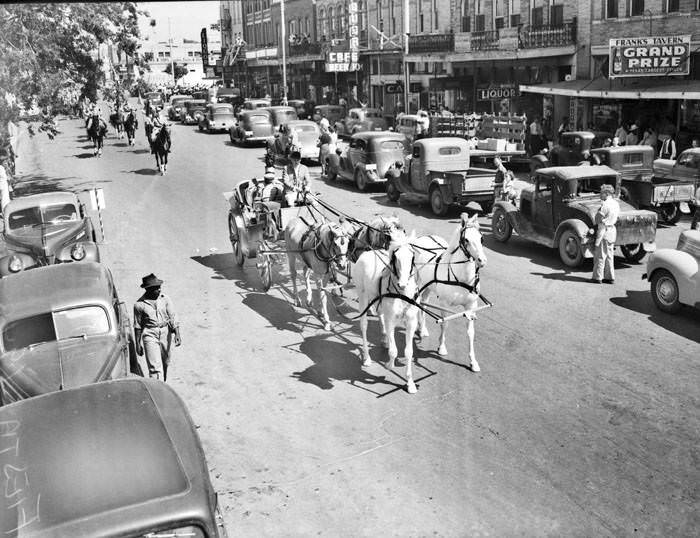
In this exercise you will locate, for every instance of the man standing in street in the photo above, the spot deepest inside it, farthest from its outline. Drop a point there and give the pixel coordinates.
(296, 179)
(155, 323)
(606, 234)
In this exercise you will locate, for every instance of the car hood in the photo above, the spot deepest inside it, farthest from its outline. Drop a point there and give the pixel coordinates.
(591, 204)
(37, 371)
(663, 166)
(47, 239)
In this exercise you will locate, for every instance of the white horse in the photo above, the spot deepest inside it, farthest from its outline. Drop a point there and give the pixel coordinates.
(380, 272)
(322, 249)
(449, 276)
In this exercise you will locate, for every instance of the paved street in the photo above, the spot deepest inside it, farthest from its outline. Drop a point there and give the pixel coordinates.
(584, 420)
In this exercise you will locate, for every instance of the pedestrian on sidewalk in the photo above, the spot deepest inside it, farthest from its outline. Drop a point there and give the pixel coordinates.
(606, 234)
(154, 326)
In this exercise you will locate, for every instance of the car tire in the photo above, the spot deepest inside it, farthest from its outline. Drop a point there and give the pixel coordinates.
(392, 192)
(570, 249)
(500, 226)
(361, 180)
(633, 253)
(670, 213)
(438, 204)
(235, 237)
(664, 291)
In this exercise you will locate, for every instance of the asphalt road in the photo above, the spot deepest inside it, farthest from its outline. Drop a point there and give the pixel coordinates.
(584, 420)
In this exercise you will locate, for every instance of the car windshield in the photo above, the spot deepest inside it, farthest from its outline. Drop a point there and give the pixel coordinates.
(305, 128)
(51, 214)
(60, 325)
(259, 118)
(178, 102)
(392, 145)
(189, 531)
(284, 116)
(588, 185)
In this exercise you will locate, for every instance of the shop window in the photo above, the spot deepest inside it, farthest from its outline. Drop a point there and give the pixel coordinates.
(672, 6)
(636, 8)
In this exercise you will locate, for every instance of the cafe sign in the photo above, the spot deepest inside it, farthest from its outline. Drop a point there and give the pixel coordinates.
(649, 56)
(347, 60)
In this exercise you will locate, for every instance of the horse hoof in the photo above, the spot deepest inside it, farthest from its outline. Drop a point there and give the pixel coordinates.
(367, 362)
(411, 387)
(326, 326)
(442, 351)
(474, 366)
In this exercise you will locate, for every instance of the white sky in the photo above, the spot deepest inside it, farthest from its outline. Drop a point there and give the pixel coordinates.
(186, 19)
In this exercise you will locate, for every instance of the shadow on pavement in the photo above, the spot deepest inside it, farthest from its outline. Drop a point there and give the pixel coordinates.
(140, 151)
(27, 185)
(684, 324)
(142, 172)
(120, 145)
(89, 146)
(225, 267)
(564, 277)
(84, 155)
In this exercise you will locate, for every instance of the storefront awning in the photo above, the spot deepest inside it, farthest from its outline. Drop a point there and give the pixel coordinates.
(602, 88)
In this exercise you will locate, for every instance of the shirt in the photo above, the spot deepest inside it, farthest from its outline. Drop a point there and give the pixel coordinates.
(607, 217)
(296, 178)
(152, 314)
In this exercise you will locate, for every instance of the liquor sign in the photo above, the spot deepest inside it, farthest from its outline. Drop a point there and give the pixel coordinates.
(496, 93)
(353, 28)
(649, 56)
(205, 48)
(339, 61)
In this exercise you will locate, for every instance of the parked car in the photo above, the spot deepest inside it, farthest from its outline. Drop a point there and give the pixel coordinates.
(252, 104)
(359, 120)
(281, 115)
(569, 151)
(368, 157)
(558, 210)
(62, 326)
(47, 228)
(684, 169)
(252, 126)
(193, 111)
(639, 185)
(333, 113)
(231, 96)
(674, 274)
(156, 99)
(439, 171)
(406, 125)
(175, 106)
(303, 107)
(218, 117)
(306, 133)
(118, 458)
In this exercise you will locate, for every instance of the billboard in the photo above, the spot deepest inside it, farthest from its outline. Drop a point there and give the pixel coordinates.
(649, 56)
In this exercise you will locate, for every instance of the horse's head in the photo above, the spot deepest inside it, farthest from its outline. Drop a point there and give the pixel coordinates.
(338, 239)
(471, 240)
(380, 231)
(402, 258)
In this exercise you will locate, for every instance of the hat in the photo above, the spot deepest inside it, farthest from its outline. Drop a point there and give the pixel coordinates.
(608, 189)
(633, 127)
(295, 155)
(269, 176)
(270, 170)
(150, 281)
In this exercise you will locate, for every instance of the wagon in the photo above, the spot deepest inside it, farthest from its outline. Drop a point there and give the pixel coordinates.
(256, 230)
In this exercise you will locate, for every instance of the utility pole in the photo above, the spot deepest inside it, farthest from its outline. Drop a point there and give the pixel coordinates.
(284, 54)
(170, 45)
(406, 75)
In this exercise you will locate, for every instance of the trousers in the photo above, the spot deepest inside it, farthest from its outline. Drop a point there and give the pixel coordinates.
(604, 260)
(156, 348)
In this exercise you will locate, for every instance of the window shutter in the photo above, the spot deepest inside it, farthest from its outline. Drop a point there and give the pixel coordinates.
(466, 24)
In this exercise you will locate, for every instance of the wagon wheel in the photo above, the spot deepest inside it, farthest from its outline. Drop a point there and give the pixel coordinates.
(264, 266)
(234, 235)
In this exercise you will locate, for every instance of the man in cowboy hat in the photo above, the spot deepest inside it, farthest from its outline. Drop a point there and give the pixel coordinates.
(296, 179)
(155, 323)
(606, 234)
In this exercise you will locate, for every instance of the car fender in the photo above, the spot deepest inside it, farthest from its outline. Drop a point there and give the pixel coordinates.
(28, 262)
(512, 213)
(92, 252)
(581, 229)
(540, 160)
(444, 185)
(682, 266)
(371, 173)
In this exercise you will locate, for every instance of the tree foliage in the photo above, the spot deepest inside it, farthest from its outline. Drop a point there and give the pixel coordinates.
(50, 51)
(180, 70)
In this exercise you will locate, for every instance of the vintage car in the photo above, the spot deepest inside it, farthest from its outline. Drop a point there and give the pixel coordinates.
(360, 120)
(156, 99)
(684, 169)
(306, 133)
(640, 187)
(47, 228)
(674, 274)
(218, 117)
(254, 126)
(439, 171)
(193, 111)
(252, 104)
(367, 157)
(231, 96)
(303, 107)
(282, 114)
(117, 458)
(558, 210)
(569, 151)
(406, 125)
(333, 113)
(175, 106)
(62, 326)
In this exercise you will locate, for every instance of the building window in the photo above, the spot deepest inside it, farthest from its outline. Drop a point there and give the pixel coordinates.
(610, 9)
(672, 6)
(556, 17)
(636, 8)
(331, 21)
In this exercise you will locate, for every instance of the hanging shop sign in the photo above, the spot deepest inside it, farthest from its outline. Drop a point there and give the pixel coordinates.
(205, 49)
(347, 60)
(393, 88)
(496, 93)
(649, 56)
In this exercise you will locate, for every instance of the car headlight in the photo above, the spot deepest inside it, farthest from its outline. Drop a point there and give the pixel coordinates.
(77, 252)
(15, 265)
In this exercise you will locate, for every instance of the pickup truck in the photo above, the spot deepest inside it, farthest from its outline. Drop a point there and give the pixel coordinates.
(558, 210)
(570, 150)
(686, 168)
(438, 170)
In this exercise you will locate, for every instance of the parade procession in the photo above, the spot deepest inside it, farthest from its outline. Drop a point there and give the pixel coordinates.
(350, 268)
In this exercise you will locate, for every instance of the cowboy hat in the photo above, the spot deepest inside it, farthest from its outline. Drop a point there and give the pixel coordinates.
(269, 176)
(151, 281)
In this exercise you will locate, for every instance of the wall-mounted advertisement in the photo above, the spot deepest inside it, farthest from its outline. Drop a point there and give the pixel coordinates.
(649, 56)
(347, 60)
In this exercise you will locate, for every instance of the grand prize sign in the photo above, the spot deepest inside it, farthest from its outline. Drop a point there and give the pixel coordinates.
(649, 56)
(347, 60)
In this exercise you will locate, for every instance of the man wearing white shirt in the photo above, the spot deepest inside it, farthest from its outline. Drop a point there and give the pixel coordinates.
(606, 235)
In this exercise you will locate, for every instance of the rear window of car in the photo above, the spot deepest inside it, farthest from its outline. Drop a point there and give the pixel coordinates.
(391, 145)
(52, 326)
(305, 128)
(450, 150)
(259, 118)
(48, 214)
(633, 159)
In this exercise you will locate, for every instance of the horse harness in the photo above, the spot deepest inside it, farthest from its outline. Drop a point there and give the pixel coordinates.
(315, 229)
